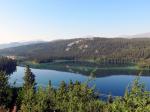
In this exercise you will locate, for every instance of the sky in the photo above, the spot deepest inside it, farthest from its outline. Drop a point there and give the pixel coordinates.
(25, 20)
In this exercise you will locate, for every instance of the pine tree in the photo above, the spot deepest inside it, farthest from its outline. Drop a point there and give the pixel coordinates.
(29, 79)
(28, 92)
(28, 101)
(5, 93)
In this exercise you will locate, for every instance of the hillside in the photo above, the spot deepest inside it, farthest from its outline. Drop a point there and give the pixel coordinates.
(84, 48)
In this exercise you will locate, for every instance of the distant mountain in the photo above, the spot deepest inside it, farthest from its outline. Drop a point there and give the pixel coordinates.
(84, 48)
(16, 44)
(145, 35)
(141, 35)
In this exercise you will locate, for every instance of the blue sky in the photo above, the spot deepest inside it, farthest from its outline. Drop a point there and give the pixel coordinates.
(23, 20)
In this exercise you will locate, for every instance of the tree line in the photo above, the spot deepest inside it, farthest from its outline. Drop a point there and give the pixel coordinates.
(72, 97)
(7, 65)
(84, 49)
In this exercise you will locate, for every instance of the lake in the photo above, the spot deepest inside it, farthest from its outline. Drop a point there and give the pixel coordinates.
(111, 84)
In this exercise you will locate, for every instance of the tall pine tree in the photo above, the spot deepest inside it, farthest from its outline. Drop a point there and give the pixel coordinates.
(27, 95)
(29, 79)
(5, 93)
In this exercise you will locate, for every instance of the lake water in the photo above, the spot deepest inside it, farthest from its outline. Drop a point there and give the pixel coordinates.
(115, 84)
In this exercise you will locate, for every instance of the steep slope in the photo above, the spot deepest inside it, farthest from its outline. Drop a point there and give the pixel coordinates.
(84, 48)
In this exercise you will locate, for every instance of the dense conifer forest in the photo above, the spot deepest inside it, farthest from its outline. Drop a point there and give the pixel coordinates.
(75, 96)
(74, 55)
(7, 65)
(110, 50)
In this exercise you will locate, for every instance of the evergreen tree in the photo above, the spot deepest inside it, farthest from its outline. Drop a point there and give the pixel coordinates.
(28, 101)
(29, 79)
(28, 93)
(136, 99)
(5, 92)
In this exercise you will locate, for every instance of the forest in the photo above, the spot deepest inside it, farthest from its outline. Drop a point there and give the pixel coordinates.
(72, 97)
(74, 55)
(7, 65)
(113, 51)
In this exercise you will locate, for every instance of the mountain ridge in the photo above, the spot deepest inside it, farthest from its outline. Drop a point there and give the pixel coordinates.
(140, 35)
(17, 44)
(83, 48)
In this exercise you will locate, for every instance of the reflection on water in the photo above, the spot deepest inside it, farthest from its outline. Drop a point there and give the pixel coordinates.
(114, 82)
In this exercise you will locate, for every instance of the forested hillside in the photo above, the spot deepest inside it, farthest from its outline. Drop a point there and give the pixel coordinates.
(87, 48)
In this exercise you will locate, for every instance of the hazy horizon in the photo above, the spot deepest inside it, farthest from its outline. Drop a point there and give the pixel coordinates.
(26, 20)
